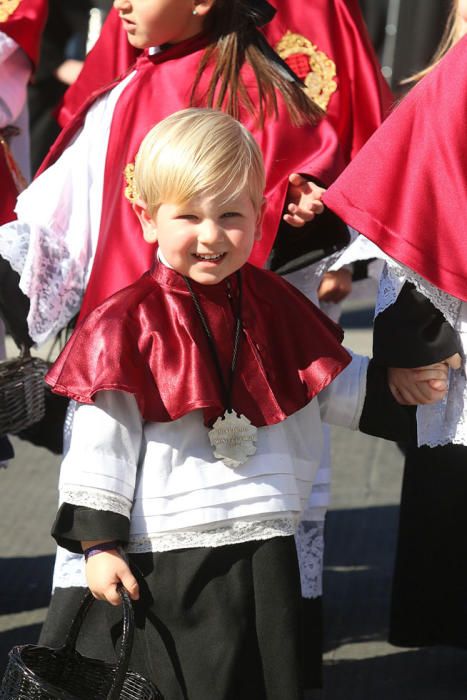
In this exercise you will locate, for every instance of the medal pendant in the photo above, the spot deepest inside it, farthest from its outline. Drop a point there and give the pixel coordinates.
(232, 438)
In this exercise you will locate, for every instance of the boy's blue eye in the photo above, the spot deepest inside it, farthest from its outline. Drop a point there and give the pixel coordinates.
(190, 217)
(230, 214)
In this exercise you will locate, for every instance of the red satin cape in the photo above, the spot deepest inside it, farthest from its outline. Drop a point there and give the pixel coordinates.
(147, 340)
(25, 26)
(337, 28)
(407, 189)
(162, 85)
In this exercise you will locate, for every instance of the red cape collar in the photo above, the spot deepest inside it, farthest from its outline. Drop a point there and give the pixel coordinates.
(148, 340)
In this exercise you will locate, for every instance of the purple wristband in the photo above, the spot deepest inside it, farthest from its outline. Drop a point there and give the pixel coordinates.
(98, 548)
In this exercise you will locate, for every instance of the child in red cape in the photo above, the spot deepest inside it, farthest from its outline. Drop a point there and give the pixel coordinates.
(200, 392)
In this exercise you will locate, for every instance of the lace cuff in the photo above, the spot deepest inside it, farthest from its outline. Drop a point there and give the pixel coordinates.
(96, 499)
(309, 539)
(394, 277)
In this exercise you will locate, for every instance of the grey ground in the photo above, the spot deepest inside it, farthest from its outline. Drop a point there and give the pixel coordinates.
(361, 532)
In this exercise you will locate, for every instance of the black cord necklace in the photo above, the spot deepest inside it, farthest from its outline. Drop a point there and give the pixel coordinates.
(232, 436)
(226, 388)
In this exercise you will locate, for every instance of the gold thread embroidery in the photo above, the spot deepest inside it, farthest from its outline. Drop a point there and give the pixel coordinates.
(7, 7)
(130, 190)
(319, 79)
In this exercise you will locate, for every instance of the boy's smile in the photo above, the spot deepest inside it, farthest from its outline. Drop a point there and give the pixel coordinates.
(206, 239)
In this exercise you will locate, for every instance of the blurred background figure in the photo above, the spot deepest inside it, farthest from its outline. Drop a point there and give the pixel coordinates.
(72, 29)
(21, 25)
(405, 33)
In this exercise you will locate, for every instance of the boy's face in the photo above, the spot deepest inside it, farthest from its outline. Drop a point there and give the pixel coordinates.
(204, 239)
(156, 22)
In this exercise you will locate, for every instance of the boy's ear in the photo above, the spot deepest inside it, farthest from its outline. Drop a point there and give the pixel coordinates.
(259, 220)
(145, 219)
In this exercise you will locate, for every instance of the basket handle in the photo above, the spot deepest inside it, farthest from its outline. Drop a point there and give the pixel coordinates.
(126, 643)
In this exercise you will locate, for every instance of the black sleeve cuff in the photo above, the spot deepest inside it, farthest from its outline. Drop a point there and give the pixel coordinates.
(382, 416)
(75, 524)
(296, 248)
(412, 332)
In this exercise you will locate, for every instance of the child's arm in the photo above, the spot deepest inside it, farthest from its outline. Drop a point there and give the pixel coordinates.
(360, 399)
(97, 483)
(105, 570)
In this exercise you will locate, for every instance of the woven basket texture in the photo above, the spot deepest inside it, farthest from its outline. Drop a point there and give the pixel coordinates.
(41, 673)
(22, 397)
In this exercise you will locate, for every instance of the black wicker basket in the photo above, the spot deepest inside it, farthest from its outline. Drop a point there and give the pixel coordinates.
(22, 392)
(42, 673)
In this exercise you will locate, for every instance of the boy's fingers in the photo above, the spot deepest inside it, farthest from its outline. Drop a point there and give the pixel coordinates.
(112, 596)
(455, 361)
(131, 585)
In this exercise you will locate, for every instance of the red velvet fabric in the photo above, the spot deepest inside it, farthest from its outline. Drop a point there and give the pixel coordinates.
(148, 340)
(337, 28)
(25, 26)
(407, 189)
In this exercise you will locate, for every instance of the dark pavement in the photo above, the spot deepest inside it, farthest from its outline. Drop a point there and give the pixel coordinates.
(361, 533)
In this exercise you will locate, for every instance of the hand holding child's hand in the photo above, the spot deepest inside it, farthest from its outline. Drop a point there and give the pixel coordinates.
(421, 385)
(303, 201)
(104, 571)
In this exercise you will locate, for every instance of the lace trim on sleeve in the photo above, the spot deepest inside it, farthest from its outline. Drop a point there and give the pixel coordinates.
(445, 422)
(96, 499)
(394, 277)
(309, 539)
(50, 276)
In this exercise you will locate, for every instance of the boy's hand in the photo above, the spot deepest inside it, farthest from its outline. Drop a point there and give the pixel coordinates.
(303, 201)
(421, 385)
(104, 571)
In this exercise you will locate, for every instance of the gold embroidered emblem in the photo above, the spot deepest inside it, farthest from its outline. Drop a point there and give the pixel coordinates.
(311, 65)
(7, 7)
(130, 189)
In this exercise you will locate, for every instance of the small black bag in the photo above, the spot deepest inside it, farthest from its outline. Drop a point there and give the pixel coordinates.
(41, 673)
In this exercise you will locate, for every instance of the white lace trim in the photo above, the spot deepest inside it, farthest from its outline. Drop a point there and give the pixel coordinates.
(50, 276)
(309, 540)
(239, 531)
(96, 499)
(394, 277)
(444, 422)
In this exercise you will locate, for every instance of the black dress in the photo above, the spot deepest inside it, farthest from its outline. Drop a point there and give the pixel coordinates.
(429, 605)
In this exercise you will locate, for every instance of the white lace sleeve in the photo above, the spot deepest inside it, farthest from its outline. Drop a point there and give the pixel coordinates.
(446, 421)
(99, 469)
(52, 244)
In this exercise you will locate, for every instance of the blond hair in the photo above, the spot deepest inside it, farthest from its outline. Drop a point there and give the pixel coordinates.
(456, 28)
(197, 152)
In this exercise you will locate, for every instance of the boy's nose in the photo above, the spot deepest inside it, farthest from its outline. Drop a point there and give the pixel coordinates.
(209, 232)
